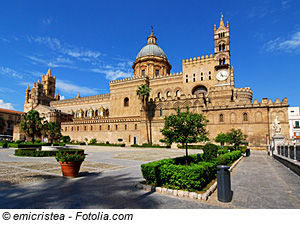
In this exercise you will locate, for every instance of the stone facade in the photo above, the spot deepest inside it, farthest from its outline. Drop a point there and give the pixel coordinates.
(11, 118)
(206, 85)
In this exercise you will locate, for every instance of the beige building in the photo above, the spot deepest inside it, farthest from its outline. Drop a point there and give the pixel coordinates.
(10, 118)
(206, 85)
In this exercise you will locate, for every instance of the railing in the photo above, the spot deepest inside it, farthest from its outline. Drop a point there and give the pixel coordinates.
(291, 151)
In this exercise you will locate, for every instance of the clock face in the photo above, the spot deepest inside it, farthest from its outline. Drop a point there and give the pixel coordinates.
(222, 75)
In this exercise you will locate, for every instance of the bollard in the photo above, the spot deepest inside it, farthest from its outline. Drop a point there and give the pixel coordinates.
(247, 152)
(224, 184)
(198, 158)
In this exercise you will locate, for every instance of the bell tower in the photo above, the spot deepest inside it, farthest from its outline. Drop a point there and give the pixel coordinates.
(222, 45)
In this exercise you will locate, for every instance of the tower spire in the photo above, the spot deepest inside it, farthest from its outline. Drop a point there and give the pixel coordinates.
(49, 72)
(221, 21)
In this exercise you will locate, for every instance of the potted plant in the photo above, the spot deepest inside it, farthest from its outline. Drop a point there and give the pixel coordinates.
(70, 163)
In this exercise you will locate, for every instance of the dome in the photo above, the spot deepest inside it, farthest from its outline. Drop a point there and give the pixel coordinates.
(151, 50)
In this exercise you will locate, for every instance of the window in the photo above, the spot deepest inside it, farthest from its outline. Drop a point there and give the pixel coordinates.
(100, 128)
(297, 124)
(201, 78)
(245, 117)
(66, 128)
(221, 118)
(71, 128)
(116, 127)
(77, 128)
(143, 73)
(177, 93)
(126, 102)
(84, 128)
(125, 126)
(153, 112)
(186, 78)
(168, 93)
(194, 79)
(158, 94)
(135, 126)
(156, 72)
(108, 127)
(91, 127)
(160, 112)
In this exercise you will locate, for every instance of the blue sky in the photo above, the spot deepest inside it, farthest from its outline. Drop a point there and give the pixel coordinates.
(88, 43)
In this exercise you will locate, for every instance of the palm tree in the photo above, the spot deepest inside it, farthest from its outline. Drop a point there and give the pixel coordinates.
(31, 124)
(143, 92)
(53, 131)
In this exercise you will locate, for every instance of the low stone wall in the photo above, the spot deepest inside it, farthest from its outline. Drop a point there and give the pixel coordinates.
(292, 164)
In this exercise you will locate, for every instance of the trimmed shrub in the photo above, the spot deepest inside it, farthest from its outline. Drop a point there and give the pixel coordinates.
(29, 152)
(210, 151)
(174, 174)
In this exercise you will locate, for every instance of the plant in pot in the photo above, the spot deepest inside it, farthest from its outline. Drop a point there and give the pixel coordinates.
(70, 163)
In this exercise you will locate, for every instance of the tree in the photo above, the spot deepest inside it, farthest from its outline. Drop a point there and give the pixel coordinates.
(53, 131)
(236, 137)
(184, 128)
(143, 92)
(221, 138)
(66, 139)
(32, 124)
(2, 123)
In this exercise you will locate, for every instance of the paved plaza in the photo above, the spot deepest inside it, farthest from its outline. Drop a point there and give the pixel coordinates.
(108, 175)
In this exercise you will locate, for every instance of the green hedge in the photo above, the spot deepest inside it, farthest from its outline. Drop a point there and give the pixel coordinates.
(104, 144)
(37, 153)
(146, 145)
(173, 172)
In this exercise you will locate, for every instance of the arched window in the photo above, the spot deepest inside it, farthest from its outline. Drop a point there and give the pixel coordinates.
(223, 47)
(245, 117)
(84, 128)
(168, 94)
(125, 126)
(158, 94)
(77, 128)
(220, 48)
(116, 127)
(71, 128)
(177, 93)
(100, 128)
(199, 90)
(221, 118)
(135, 126)
(108, 127)
(91, 128)
(160, 112)
(126, 102)
(66, 128)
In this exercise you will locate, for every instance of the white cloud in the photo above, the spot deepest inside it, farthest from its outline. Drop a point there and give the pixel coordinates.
(6, 105)
(72, 89)
(10, 72)
(47, 21)
(55, 44)
(287, 45)
(111, 74)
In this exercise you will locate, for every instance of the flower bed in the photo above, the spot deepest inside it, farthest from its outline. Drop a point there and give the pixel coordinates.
(29, 152)
(172, 173)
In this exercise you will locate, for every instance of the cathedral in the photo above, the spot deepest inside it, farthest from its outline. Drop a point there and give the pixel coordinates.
(205, 85)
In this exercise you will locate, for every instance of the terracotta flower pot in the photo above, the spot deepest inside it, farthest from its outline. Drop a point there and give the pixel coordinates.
(70, 169)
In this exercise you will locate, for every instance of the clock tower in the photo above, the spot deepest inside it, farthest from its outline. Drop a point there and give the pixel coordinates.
(223, 72)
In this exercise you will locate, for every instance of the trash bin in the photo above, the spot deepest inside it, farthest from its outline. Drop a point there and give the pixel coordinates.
(247, 152)
(224, 184)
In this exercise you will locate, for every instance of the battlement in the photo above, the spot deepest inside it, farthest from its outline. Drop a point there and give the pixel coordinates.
(141, 78)
(81, 99)
(198, 59)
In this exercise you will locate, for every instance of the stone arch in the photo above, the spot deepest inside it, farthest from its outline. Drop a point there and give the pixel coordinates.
(187, 103)
(177, 105)
(258, 116)
(197, 103)
(210, 117)
(232, 117)
(199, 89)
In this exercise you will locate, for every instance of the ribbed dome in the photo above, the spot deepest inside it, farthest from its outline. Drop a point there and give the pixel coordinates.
(151, 50)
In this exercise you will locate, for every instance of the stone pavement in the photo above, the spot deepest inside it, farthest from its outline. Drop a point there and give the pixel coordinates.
(108, 175)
